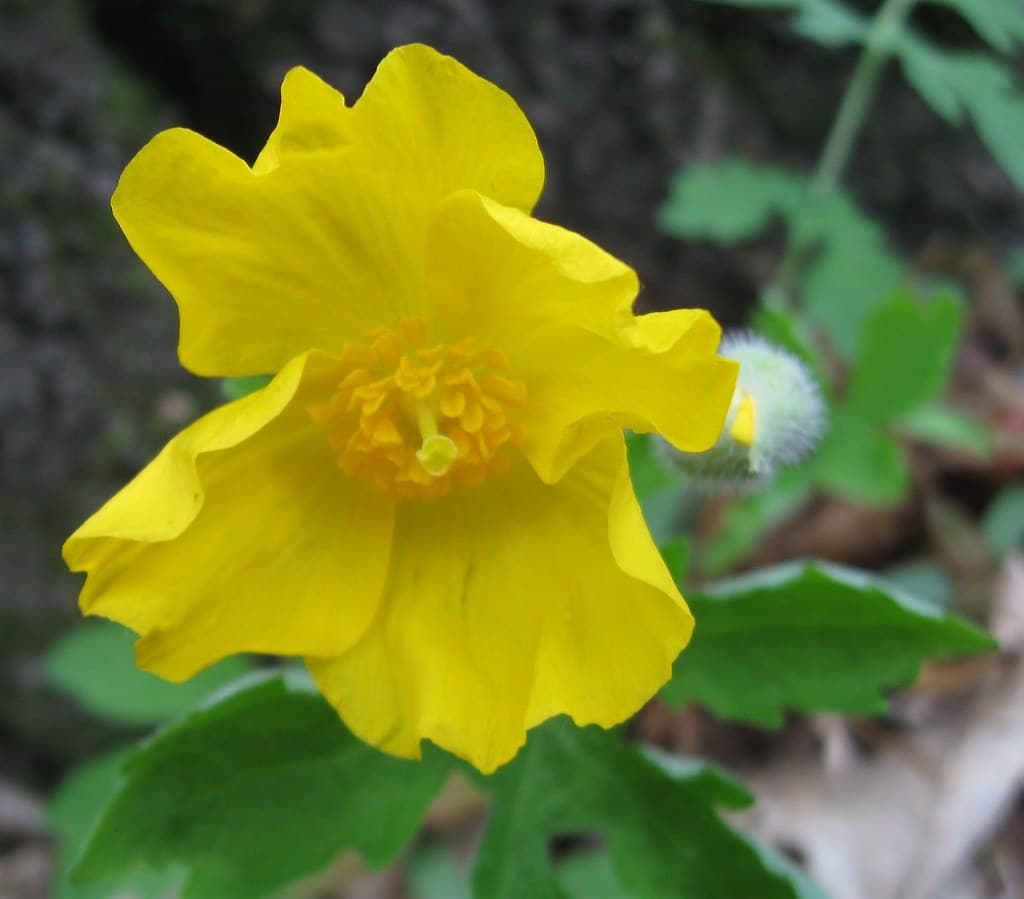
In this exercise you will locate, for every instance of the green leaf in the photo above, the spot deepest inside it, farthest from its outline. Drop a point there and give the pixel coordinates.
(810, 637)
(71, 813)
(905, 355)
(434, 874)
(1000, 22)
(924, 68)
(590, 875)
(945, 426)
(236, 388)
(860, 461)
(1015, 267)
(955, 83)
(1003, 523)
(924, 579)
(650, 473)
(830, 24)
(263, 786)
(660, 489)
(852, 272)
(95, 663)
(662, 834)
(676, 553)
(728, 201)
(847, 266)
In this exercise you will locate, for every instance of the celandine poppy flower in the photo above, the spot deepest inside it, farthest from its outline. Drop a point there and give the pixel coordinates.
(430, 501)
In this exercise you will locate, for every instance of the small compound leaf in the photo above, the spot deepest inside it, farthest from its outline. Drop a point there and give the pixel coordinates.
(847, 267)
(955, 83)
(729, 201)
(811, 637)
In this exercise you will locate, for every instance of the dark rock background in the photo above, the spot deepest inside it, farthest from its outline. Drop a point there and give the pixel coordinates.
(621, 92)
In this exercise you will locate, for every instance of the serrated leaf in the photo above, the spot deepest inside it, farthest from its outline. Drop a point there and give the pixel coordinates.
(810, 637)
(905, 355)
(945, 426)
(663, 836)
(71, 813)
(95, 664)
(1000, 22)
(955, 83)
(860, 461)
(260, 787)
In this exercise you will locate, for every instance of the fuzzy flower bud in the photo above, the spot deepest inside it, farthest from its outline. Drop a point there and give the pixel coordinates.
(777, 417)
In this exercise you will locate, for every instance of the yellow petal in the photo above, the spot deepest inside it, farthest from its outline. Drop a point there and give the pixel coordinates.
(743, 425)
(264, 267)
(493, 269)
(312, 119)
(241, 536)
(436, 127)
(560, 308)
(509, 604)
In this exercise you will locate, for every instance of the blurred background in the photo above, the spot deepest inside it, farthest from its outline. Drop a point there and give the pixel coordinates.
(622, 93)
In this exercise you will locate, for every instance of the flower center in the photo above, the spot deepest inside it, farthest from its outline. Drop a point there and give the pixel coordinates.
(414, 418)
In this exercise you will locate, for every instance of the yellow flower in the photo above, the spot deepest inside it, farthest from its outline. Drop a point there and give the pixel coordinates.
(430, 501)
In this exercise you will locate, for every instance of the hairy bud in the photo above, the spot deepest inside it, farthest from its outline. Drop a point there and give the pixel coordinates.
(777, 417)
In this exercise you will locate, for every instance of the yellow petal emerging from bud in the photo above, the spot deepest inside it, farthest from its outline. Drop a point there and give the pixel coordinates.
(777, 417)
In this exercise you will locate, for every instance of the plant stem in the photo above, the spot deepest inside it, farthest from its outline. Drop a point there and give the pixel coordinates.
(879, 45)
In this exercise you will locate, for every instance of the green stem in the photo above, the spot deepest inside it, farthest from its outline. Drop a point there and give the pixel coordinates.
(879, 46)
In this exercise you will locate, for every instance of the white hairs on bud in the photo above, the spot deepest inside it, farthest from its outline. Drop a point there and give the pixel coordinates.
(789, 418)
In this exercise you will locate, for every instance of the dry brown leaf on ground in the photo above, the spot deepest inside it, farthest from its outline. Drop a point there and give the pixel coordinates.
(908, 821)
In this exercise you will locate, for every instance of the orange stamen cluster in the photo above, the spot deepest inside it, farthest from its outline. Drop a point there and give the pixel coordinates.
(414, 418)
